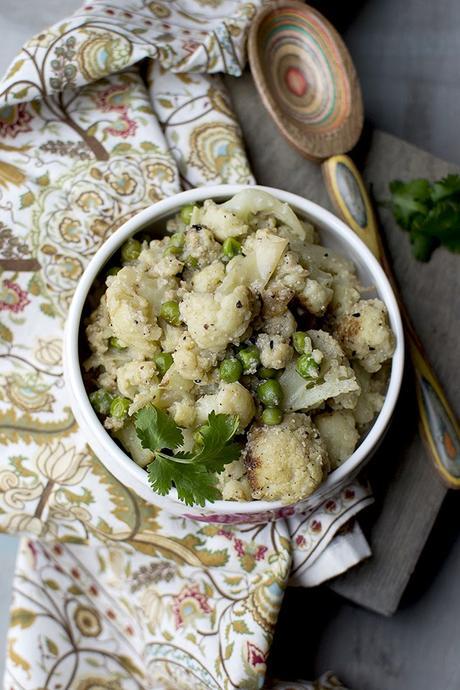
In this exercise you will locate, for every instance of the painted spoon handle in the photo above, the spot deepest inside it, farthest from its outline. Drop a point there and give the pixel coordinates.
(439, 426)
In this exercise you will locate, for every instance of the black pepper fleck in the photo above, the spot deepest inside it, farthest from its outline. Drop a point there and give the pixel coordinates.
(357, 314)
(197, 227)
(239, 305)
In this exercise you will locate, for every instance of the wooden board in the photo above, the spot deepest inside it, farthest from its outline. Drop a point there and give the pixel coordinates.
(408, 492)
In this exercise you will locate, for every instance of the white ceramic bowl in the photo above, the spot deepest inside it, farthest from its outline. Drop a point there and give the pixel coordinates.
(334, 234)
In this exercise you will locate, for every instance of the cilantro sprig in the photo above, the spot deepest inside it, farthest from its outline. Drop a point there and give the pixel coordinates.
(193, 473)
(430, 212)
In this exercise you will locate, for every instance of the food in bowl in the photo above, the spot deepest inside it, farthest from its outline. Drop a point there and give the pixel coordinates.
(236, 357)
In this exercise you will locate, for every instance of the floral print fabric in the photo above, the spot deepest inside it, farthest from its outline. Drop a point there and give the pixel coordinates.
(111, 592)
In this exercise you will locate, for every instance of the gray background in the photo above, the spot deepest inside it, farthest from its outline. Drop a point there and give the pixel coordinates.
(407, 56)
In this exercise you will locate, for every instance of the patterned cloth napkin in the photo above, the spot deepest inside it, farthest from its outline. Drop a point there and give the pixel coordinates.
(111, 592)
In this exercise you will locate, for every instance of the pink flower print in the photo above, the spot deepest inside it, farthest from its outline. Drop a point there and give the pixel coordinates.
(225, 533)
(330, 505)
(189, 604)
(12, 297)
(256, 656)
(111, 98)
(315, 526)
(300, 540)
(14, 119)
(260, 553)
(123, 127)
(349, 494)
(239, 547)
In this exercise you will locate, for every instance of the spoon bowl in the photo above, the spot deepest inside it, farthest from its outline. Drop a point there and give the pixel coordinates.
(306, 79)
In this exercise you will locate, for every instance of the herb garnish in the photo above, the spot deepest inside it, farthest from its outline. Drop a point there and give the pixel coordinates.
(193, 473)
(430, 212)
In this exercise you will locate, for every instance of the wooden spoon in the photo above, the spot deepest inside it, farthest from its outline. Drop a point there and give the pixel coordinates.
(307, 81)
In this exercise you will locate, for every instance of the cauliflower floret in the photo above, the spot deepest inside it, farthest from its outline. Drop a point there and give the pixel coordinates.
(231, 398)
(154, 259)
(99, 330)
(223, 222)
(372, 397)
(275, 351)
(233, 483)
(172, 336)
(285, 462)
(316, 294)
(283, 324)
(138, 381)
(209, 277)
(214, 323)
(339, 433)
(288, 279)
(192, 363)
(183, 412)
(132, 312)
(336, 382)
(365, 334)
(130, 441)
(173, 388)
(201, 245)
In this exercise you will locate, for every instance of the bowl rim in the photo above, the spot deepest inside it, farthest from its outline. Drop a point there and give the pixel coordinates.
(164, 208)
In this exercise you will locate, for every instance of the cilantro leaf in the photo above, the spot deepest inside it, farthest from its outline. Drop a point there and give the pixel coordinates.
(216, 452)
(446, 188)
(194, 484)
(409, 199)
(193, 474)
(430, 212)
(157, 430)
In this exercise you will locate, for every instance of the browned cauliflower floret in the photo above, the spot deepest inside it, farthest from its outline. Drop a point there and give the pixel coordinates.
(283, 324)
(339, 433)
(365, 334)
(288, 279)
(285, 462)
(275, 351)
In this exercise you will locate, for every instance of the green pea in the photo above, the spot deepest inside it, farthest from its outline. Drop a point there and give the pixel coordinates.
(116, 344)
(272, 416)
(100, 400)
(307, 367)
(176, 243)
(169, 311)
(231, 247)
(119, 407)
(270, 393)
(298, 340)
(130, 250)
(163, 361)
(113, 271)
(230, 370)
(186, 213)
(249, 358)
(267, 373)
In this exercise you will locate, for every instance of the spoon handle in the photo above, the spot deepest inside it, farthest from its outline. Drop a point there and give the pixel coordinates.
(439, 426)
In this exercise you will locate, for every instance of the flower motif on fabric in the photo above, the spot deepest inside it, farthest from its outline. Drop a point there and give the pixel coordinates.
(112, 98)
(14, 119)
(215, 148)
(63, 465)
(123, 127)
(188, 605)
(12, 297)
(87, 621)
(98, 683)
(103, 52)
